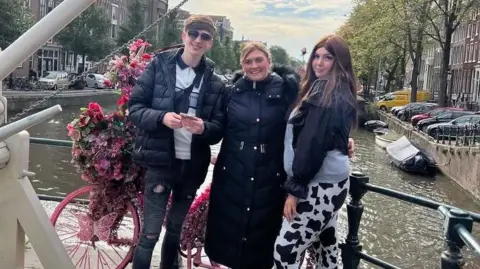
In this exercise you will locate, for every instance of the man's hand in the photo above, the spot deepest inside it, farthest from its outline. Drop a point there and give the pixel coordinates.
(172, 120)
(194, 125)
(351, 147)
(290, 208)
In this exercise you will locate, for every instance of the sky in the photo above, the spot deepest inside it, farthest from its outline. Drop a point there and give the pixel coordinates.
(292, 24)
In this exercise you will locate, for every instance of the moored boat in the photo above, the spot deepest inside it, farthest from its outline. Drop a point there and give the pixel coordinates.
(410, 158)
(375, 124)
(384, 136)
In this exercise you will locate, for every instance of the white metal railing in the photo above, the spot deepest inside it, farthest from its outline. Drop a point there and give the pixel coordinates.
(20, 209)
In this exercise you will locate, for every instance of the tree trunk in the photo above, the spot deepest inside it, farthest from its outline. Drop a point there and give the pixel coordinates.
(445, 65)
(416, 65)
(391, 75)
(403, 64)
(416, 71)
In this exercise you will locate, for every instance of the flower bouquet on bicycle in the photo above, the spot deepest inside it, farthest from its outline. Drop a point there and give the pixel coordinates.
(107, 214)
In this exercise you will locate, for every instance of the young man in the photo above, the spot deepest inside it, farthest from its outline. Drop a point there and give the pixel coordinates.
(177, 107)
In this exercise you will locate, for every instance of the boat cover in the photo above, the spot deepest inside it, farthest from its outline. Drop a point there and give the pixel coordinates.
(402, 150)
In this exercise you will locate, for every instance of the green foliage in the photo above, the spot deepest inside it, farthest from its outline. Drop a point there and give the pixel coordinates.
(172, 35)
(217, 53)
(230, 61)
(15, 19)
(135, 23)
(88, 34)
(279, 55)
(385, 33)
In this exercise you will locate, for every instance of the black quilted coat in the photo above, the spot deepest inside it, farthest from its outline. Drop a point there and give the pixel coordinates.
(247, 195)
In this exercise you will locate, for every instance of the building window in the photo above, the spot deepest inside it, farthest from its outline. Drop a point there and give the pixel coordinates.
(474, 54)
(51, 6)
(114, 31)
(114, 12)
(467, 51)
(43, 8)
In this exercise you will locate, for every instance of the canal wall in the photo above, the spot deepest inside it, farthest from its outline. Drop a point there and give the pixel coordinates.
(19, 100)
(460, 164)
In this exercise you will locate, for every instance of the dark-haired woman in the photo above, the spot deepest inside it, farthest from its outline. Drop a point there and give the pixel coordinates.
(316, 156)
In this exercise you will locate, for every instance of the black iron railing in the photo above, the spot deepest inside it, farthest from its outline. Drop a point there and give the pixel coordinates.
(457, 222)
(466, 135)
(457, 226)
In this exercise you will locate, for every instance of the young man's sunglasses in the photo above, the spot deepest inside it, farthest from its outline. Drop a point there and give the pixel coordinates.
(203, 36)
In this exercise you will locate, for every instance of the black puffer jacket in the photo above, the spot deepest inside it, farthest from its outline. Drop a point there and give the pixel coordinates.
(247, 195)
(154, 95)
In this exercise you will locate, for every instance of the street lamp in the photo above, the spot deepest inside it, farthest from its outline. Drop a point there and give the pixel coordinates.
(304, 51)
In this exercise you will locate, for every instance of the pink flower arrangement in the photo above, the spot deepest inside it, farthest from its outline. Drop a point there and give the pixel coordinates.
(103, 143)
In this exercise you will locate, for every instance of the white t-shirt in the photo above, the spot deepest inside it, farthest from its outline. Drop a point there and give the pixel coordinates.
(185, 76)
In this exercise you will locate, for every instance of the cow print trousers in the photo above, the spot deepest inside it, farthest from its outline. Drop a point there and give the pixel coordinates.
(314, 228)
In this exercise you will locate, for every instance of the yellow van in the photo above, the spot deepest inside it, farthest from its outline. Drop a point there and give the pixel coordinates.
(401, 98)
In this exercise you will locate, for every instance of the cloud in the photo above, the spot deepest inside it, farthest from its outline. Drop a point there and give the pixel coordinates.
(292, 24)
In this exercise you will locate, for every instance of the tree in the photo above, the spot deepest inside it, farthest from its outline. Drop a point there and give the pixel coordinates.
(279, 55)
(88, 34)
(135, 23)
(416, 11)
(237, 50)
(444, 19)
(217, 53)
(373, 44)
(172, 35)
(15, 19)
(231, 61)
(382, 34)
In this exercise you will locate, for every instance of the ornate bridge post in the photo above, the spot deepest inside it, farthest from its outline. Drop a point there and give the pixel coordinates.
(354, 212)
(452, 257)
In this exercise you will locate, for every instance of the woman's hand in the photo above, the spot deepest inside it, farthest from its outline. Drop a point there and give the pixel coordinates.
(351, 147)
(290, 208)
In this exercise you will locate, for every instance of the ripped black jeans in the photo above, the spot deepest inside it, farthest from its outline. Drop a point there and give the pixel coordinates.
(183, 189)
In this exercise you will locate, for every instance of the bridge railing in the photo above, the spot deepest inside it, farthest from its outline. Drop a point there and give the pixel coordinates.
(457, 226)
(457, 222)
(20, 209)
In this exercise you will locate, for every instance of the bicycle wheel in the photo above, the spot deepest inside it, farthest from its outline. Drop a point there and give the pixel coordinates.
(116, 252)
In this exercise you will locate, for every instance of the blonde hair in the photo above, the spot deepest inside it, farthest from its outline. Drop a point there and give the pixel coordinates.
(252, 46)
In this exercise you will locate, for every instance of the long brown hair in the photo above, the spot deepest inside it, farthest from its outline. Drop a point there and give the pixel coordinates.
(342, 69)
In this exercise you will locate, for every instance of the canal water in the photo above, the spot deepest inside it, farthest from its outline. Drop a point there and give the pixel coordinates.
(405, 235)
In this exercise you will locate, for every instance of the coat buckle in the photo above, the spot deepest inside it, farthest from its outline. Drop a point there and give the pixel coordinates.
(262, 148)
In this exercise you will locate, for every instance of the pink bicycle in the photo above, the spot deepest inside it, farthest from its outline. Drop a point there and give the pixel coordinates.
(96, 244)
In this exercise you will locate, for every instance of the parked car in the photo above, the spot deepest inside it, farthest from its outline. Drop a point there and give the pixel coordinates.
(444, 117)
(395, 109)
(407, 113)
(399, 108)
(96, 81)
(432, 113)
(54, 80)
(452, 127)
(399, 98)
